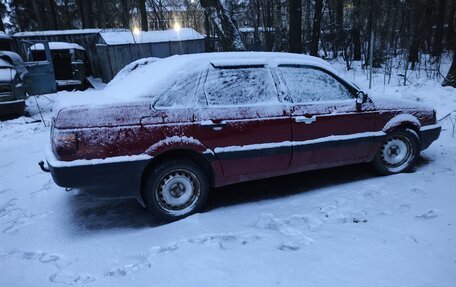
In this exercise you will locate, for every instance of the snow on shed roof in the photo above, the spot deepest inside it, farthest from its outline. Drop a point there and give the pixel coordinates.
(57, 46)
(3, 35)
(127, 37)
(57, 32)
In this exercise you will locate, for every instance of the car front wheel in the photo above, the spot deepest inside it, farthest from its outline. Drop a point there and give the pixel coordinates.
(176, 189)
(398, 152)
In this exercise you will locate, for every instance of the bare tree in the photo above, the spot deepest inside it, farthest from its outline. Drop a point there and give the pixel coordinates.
(316, 27)
(125, 13)
(49, 8)
(295, 31)
(143, 12)
(38, 11)
(280, 29)
(86, 13)
(101, 15)
(356, 30)
(451, 38)
(422, 19)
(340, 33)
(440, 19)
(450, 79)
(228, 33)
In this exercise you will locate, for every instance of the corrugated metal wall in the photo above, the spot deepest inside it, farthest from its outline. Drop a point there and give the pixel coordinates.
(114, 57)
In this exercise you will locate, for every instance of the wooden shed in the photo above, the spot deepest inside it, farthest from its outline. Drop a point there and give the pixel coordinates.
(117, 49)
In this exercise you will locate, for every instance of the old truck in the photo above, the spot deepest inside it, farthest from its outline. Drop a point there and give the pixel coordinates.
(70, 62)
(20, 78)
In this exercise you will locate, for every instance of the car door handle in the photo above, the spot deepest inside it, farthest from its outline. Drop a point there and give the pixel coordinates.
(215, 126)
(306, 120)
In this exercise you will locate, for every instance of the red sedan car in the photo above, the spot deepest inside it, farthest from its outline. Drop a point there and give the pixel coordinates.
(181, 125)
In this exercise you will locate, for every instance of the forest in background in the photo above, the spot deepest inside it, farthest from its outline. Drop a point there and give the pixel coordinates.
(403, 34)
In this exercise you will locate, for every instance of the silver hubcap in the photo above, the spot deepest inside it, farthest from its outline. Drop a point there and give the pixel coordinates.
(396, 151)
(178, 191)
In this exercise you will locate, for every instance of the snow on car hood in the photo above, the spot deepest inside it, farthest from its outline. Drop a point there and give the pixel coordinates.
(391, 103)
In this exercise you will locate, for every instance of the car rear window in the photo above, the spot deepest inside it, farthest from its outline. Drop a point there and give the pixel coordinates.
(240, 86)
(182, 93)
(307, 84)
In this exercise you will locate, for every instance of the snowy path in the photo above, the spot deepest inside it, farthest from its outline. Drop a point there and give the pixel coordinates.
(339, 227)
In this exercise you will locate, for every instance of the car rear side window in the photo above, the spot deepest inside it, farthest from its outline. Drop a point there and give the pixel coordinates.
(307, 84)
(182, 93)
(240, 86)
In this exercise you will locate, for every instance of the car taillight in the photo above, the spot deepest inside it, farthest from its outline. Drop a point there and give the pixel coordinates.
(65, 143)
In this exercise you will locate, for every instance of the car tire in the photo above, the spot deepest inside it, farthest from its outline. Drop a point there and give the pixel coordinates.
(176, 189)
(398, 152)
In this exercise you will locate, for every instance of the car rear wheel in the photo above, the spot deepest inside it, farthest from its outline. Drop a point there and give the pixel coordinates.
(398, 152)
(176, 189)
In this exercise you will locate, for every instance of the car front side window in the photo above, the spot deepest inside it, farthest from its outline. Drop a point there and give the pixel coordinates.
(240, 86)
(307, 84)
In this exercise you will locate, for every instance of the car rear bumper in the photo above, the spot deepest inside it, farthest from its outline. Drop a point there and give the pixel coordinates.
(428, 134)
(12, 107)
(117, 177)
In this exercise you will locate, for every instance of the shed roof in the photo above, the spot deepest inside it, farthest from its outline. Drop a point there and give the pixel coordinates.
(127, 37)
(57, 32)
(57, 46)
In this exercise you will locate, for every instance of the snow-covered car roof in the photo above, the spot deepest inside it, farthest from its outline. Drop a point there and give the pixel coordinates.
(127, 37)
(150, 77)
(57, 46)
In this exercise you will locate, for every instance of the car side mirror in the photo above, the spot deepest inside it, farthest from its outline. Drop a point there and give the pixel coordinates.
(361, 98)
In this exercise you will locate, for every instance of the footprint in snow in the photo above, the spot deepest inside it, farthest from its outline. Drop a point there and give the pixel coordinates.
(359, 216)
(373, 191)
(71, 278)
(42, 257)
(428, 215)
(402, 208)
(5, 190)
(421, 192)
(225, 240)
(293, 238)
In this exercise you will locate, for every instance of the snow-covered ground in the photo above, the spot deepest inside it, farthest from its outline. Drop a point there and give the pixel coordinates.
(339, 227)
